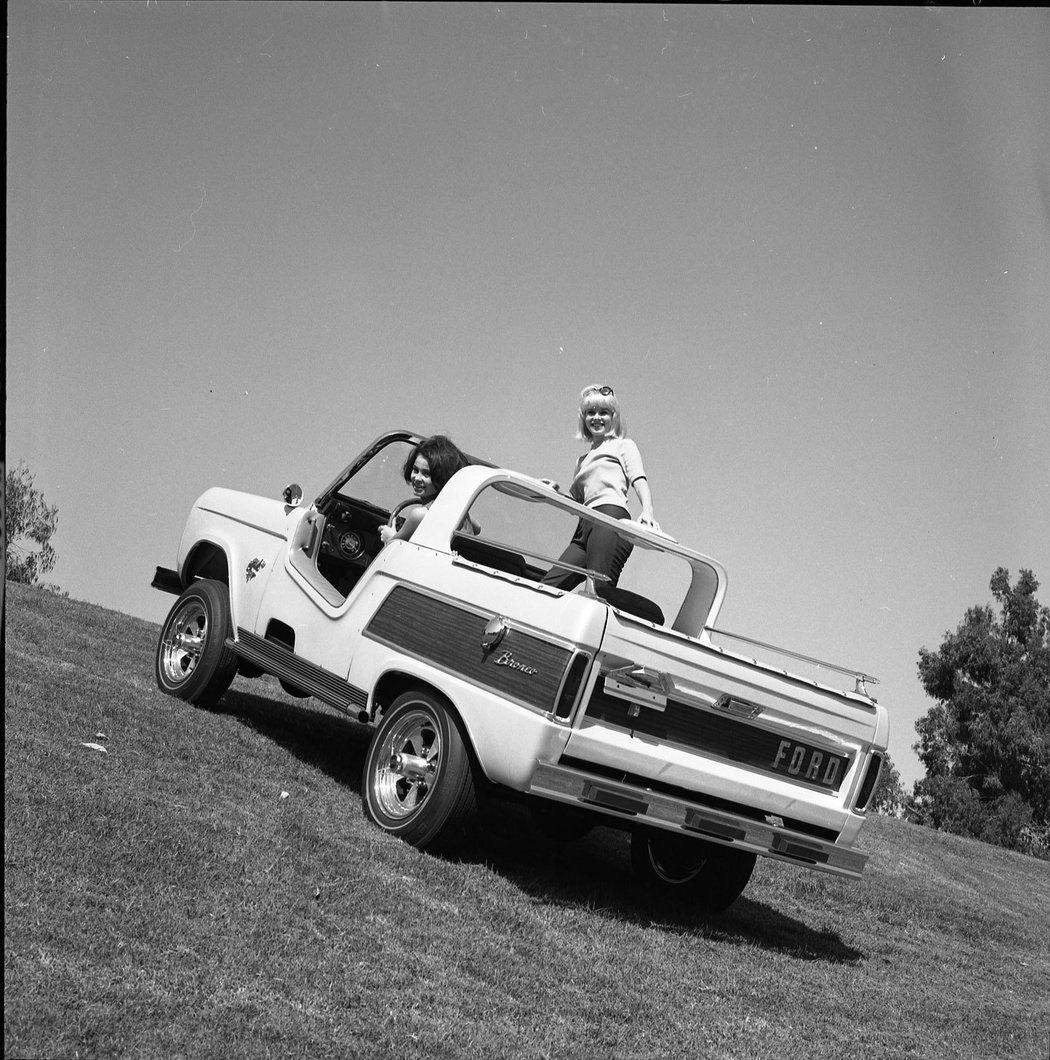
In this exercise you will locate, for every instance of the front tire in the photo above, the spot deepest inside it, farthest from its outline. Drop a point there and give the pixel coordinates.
(193, 662)
(418, 781)
(705, 874)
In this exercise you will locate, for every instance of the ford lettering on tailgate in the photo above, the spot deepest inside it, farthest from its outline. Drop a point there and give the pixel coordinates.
(807, 763)
(728, 737)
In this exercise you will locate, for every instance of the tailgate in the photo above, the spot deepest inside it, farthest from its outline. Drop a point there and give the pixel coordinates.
(689, 719)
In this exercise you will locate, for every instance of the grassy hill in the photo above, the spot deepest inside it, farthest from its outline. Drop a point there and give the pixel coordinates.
(182, 883)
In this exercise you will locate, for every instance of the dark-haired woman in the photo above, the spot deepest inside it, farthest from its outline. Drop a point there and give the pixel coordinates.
(428, 467)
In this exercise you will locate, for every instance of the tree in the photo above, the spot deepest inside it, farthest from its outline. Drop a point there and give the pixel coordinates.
(889, 797)
(29, 525)
(986, 742)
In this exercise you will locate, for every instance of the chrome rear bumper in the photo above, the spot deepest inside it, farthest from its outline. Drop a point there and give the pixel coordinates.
(655, 809)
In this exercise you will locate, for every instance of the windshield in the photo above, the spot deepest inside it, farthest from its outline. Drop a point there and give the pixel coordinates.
(380, 482)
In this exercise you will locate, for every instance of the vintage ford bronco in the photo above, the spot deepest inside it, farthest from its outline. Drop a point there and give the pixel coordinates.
(601, 705)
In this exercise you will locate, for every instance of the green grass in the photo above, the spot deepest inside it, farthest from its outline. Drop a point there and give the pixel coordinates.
(208, 887)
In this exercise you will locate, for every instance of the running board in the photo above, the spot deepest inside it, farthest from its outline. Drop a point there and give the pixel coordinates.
(282, 663)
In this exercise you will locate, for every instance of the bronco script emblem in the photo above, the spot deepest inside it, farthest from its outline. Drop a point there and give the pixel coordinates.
(253, 568)
(505, 658)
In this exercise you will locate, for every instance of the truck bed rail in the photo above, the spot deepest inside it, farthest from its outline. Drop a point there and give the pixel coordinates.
(860, 678)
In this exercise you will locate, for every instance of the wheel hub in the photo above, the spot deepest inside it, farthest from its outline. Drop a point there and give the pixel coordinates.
(412, 753)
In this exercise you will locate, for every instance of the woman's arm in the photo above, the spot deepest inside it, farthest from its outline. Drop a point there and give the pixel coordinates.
(631, 460)
(412, 516)
(641, 487)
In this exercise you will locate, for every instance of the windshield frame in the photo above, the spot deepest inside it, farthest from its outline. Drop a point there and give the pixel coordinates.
(368, 454)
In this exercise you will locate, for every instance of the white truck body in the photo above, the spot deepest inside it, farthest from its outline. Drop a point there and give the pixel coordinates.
(591, 700)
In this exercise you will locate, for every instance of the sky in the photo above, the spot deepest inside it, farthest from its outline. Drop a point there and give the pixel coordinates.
(809, 247)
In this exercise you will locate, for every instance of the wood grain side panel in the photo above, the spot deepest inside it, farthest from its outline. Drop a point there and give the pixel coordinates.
(522, 667)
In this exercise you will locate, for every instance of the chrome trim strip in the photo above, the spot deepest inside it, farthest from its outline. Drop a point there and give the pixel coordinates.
(243, 522)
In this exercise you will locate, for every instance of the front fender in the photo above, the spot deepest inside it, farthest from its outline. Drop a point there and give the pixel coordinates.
(237, 538)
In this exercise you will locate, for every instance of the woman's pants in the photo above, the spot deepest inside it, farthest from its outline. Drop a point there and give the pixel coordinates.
(594, 547)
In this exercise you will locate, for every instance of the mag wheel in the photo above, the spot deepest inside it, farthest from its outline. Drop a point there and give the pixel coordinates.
(418, 780)
(193, 661)
(706, 874)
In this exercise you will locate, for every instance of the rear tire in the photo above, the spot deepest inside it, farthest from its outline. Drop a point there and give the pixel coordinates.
(193, 662)
(705, 874)
(418, 781)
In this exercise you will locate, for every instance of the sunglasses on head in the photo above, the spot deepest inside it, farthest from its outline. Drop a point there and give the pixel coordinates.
(605, 391)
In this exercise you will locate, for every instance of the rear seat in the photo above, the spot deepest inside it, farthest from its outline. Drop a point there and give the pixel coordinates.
(632, 603)
(477, 551)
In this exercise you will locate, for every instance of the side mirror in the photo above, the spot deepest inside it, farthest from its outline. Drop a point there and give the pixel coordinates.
(292, 494)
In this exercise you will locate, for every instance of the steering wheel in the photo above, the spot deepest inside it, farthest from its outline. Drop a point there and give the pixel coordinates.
(398, 509)
(391, 522)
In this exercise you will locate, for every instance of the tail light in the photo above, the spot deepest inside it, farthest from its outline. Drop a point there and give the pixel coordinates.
(570, 688)
(871, 778)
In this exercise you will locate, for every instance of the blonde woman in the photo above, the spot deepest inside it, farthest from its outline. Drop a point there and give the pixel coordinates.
(604, 474)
